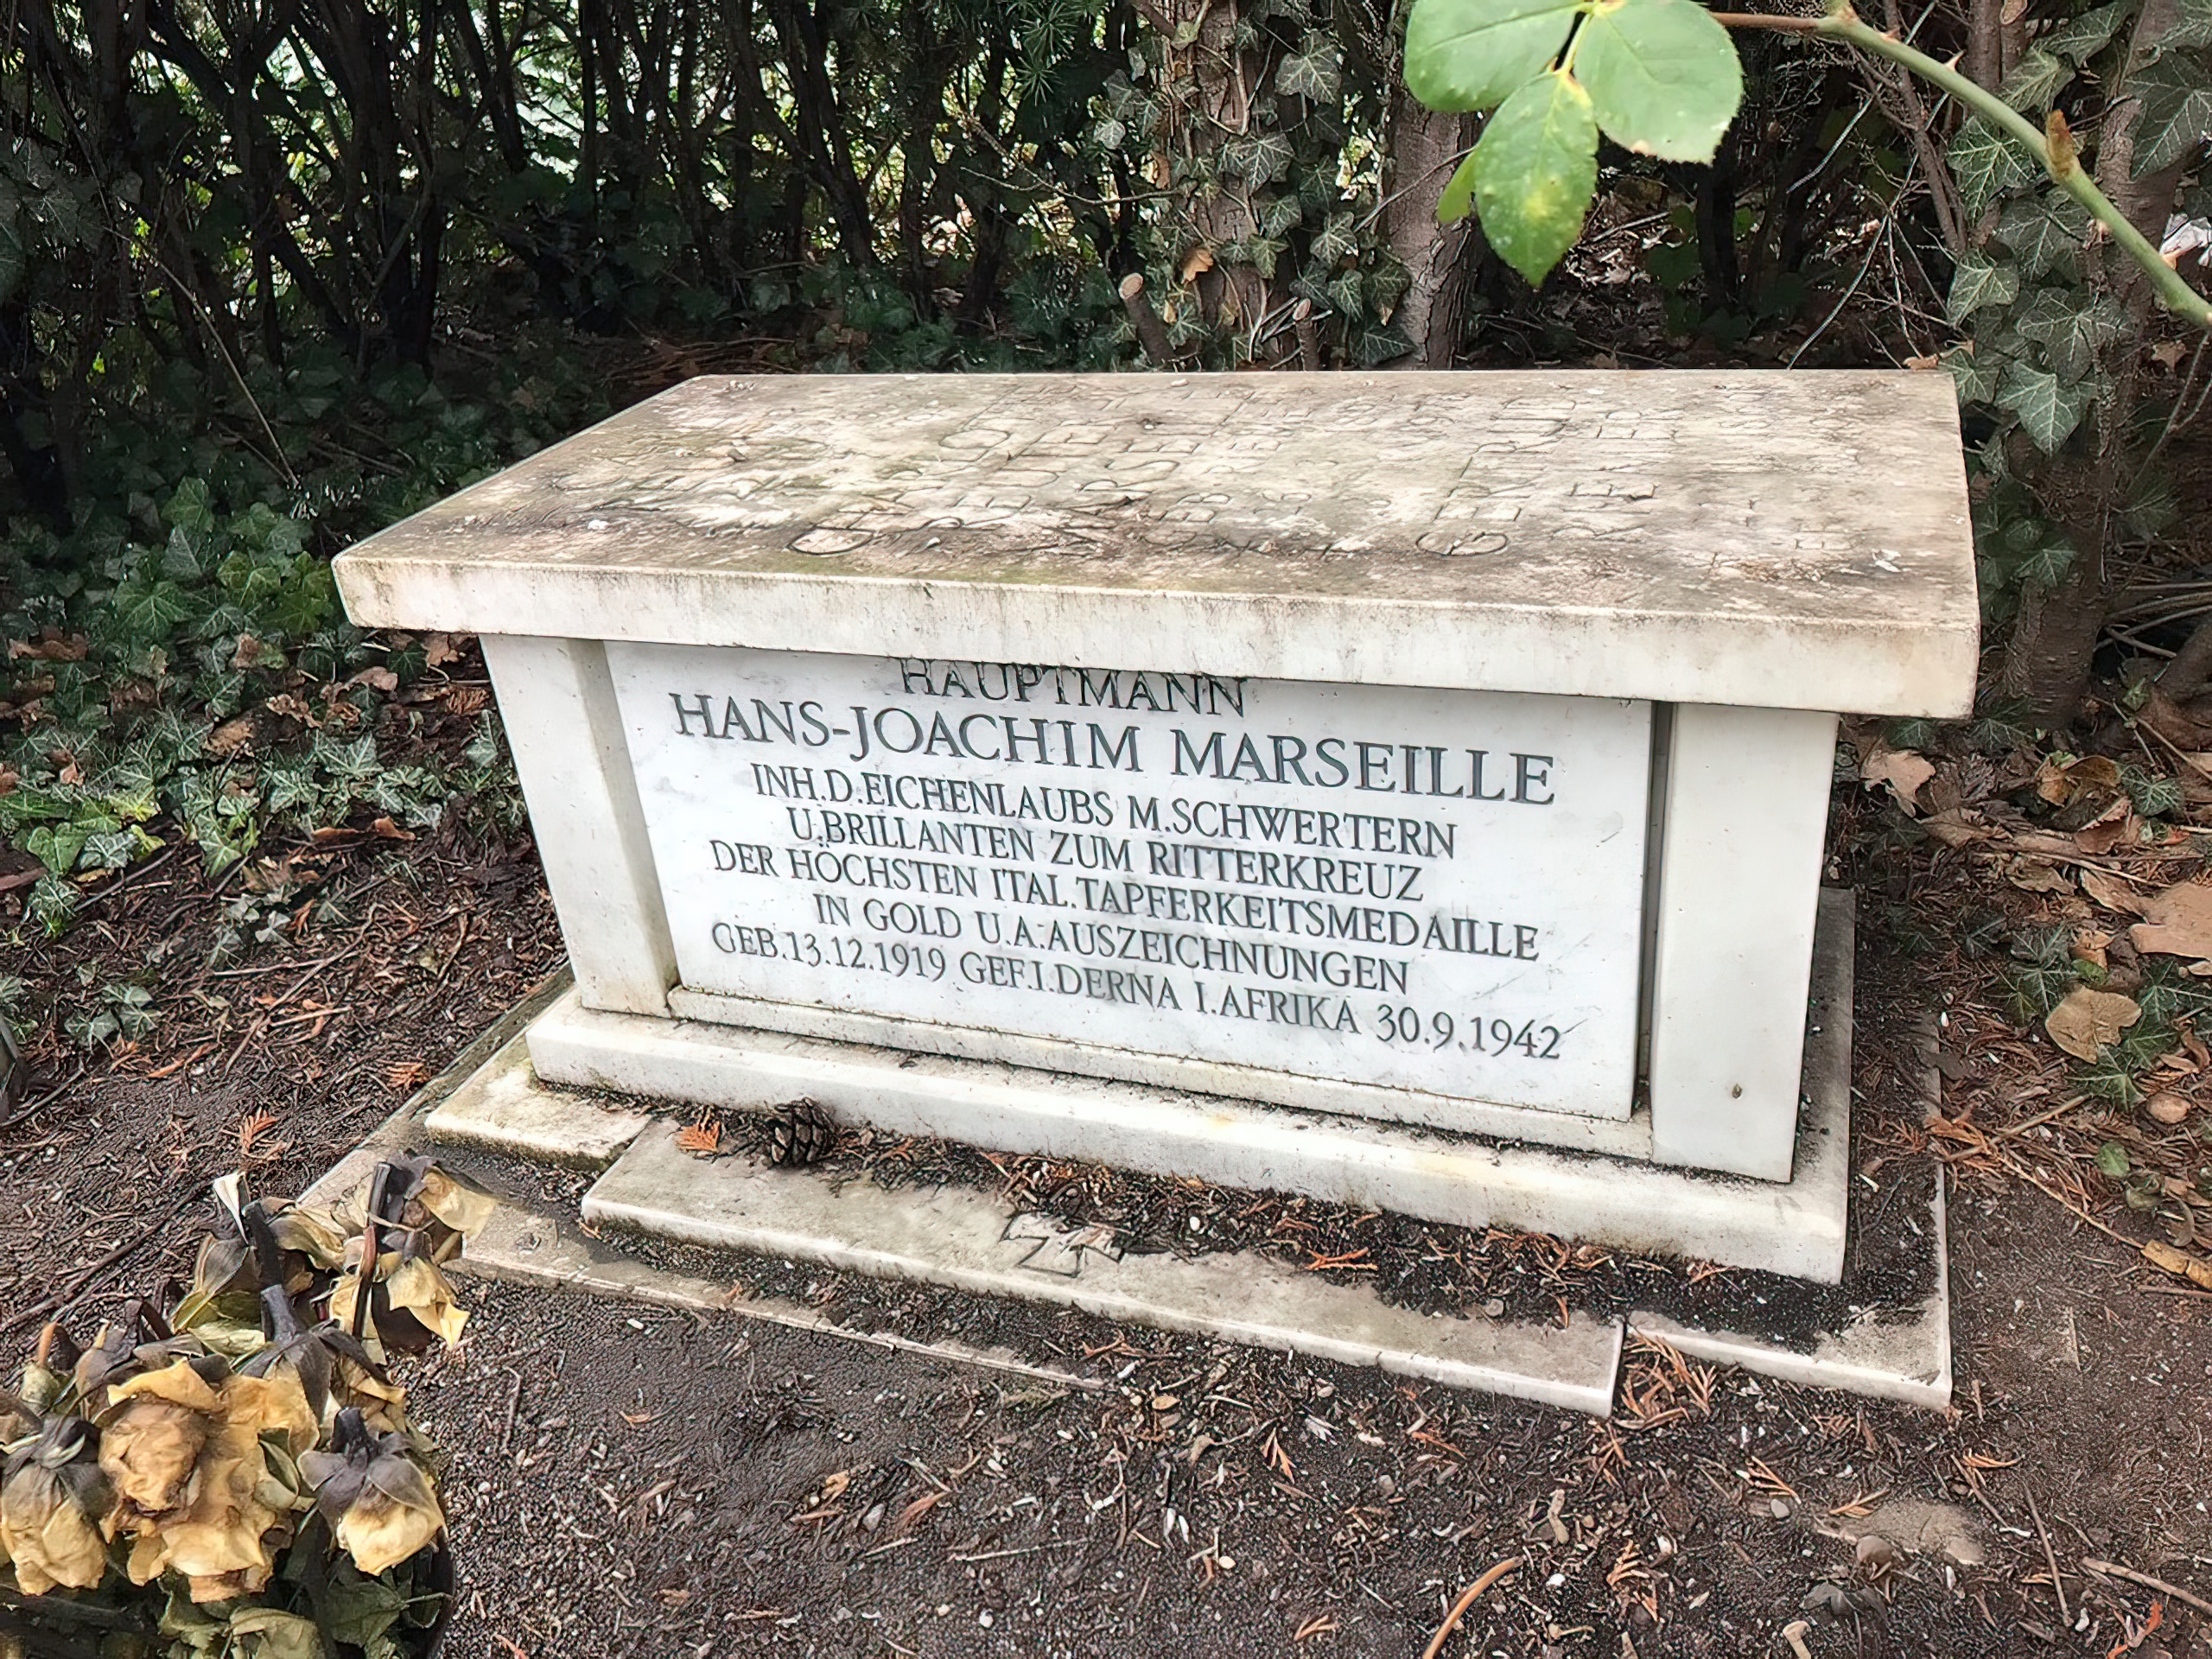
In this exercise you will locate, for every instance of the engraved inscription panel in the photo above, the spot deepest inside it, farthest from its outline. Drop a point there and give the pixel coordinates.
(1410, 889)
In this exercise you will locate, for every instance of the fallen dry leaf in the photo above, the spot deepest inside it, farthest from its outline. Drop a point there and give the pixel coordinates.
(2167, 1108)
(2092, 774)
(704, 1137)
(230, 737)
(2117, 825)
(2176, 923)
(2194, 1268)
(2180, 729)
(386, 830)
(439, 649)
(251, 1128)
(2087, 1021)
(2033, 875)
(1197, 262)
(1902, 771)
(407, 1076)
(51, 648)
(2110, 891)
(1956, 828)
(2090, 944)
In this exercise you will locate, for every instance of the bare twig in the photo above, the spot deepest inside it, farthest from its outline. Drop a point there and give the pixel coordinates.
(2058, 1584)
(1843, 24)
(1468, 1596)
(2113, 1569)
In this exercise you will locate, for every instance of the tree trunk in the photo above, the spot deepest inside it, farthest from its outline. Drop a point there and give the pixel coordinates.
(1425, 149)
(1218, 78)
(2047, 662)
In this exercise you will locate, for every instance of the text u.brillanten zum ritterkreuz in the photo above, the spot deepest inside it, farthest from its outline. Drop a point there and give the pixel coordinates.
(944, 871)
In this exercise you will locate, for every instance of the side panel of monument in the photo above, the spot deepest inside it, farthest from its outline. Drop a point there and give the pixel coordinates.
(1407, 789)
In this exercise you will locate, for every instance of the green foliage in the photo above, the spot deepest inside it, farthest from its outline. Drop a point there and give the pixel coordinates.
(182, 669)
(1663, 77)
(1659, 78)
(125, 1013)
(1468, 57)
(1533, 173)
(2042, 971)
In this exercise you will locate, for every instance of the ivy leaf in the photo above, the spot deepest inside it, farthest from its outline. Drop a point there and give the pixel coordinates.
(2049, 409)
(1985, 163)
(2176, 111)
(2072, 327)
(1277, 214)
(189, 510)
(2193, 27)
(1339, 235)
(2045, 233)
(1535, 172)
(2035, 80)
(1974, 373)
(1261, 159)
(1311, 74)
(2046, 563)
(1978, 281)
(2079, 38)
(149, 610)
(1664, 78)
(1473, 55)
(1374, 344)
(1459, 198)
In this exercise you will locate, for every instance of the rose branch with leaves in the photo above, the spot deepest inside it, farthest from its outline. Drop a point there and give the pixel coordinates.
(2050, 223)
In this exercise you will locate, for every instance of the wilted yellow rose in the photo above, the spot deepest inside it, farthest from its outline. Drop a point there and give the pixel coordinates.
(414, 1289)
(50, 1492)
(375, 1496)
(210, 1522)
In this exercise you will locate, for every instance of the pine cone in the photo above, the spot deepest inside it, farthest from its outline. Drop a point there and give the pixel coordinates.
(803, 1134)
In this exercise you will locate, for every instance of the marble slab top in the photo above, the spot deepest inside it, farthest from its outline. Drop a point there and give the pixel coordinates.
(1760, 537)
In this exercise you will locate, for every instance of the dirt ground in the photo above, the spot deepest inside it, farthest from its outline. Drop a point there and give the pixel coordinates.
(626, 1480)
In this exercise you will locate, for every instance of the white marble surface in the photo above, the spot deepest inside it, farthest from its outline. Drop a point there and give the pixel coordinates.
(1432, 895)
(1767, 539)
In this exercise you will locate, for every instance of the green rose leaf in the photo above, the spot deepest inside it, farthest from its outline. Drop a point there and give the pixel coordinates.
(1459, 198)
(1474, 55)
(1663, 76)
(1535, 172)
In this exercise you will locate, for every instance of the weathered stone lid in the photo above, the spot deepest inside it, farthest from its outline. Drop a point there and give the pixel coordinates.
(1781, 540)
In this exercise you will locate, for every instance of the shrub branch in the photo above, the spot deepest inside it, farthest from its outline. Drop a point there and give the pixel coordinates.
(1843, 24)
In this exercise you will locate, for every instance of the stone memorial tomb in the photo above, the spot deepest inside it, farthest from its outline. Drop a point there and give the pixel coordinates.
(1408, 790)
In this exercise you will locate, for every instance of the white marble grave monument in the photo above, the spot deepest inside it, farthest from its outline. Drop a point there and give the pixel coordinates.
(1408, 789)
